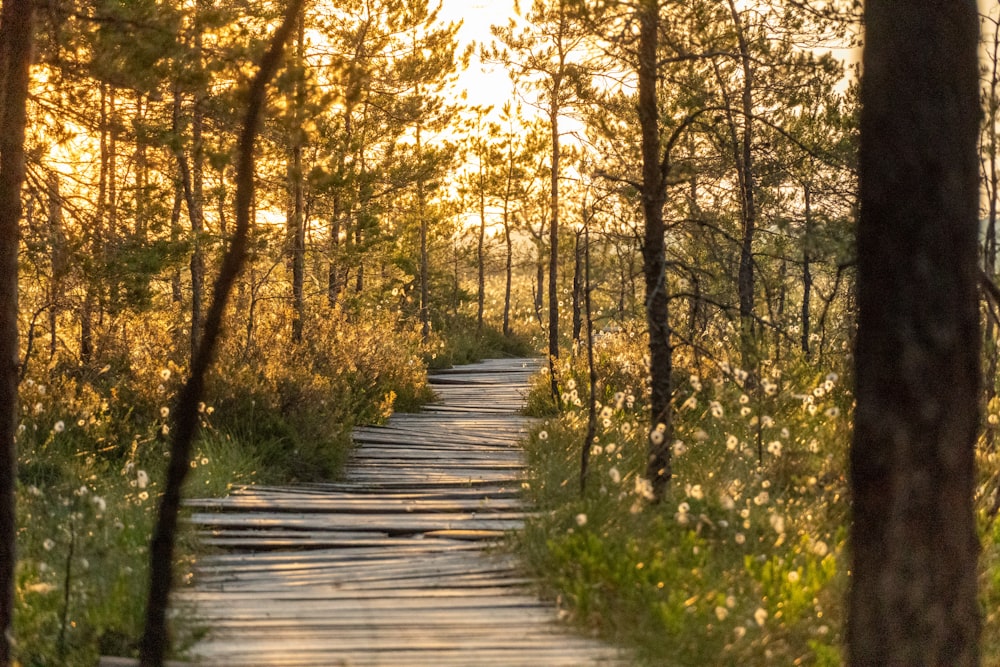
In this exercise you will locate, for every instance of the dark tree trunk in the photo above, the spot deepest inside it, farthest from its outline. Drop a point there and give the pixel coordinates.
(508, 273)
(57, 253)
(807, 280)
(913, 585)
(155, 639)
(539, 281)
(196, 214)
(577, 289)
(16, 26)
(588, 440)
(554, 245)
(296, 223)
(481, 250)
(748, 204)
(425, 295)
(654, 195)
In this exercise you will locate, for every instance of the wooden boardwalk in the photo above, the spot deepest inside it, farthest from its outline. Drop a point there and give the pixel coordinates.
(391, 566)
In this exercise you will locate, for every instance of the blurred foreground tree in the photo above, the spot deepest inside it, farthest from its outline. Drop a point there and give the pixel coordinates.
(16, 26)
(913, 595)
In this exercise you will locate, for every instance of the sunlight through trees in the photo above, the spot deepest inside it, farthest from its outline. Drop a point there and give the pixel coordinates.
(660, 196)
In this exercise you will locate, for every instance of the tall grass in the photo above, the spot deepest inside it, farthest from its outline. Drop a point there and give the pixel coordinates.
(745, 563)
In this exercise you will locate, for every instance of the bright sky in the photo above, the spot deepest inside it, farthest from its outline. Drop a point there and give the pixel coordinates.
(484, 86)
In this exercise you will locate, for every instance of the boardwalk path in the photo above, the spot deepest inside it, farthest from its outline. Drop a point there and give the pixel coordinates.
(390, 567)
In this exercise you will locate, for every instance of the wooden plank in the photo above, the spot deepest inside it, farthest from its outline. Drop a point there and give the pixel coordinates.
(389, 566)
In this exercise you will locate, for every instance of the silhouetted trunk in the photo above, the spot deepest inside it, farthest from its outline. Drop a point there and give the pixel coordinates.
(481, 252)
(296, 222)
(196, 204)
(554, 245)
(508, 273)
(807, 280)
(577, 289)
(425, 318)
(16, 28)
(654, 194)
(155, 639)
(748, 205)
(539, 281)
(588, 440)
(57, 254)
(914, 573)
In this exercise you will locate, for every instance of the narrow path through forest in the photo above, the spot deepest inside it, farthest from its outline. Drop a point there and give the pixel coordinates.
(392, 566)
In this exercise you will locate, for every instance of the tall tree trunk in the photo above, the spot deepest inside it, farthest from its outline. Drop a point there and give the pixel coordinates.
(807, 280)
(654, 194)
(914, 563)
(588, 440)
(508, 272)
(196, 203)
(141, 174)
(296, 221)
(577, 288)
(481, 249)
(539, 277)
(57, 254)
(155, 638)
(425, 320)
(333, 283)
(16, 29)
(748, 204)
(554, 244)
(992, 181)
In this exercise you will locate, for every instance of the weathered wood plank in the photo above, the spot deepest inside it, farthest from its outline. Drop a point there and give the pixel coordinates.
(389, 567)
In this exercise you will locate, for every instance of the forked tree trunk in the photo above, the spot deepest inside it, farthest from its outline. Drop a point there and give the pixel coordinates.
(913, 585)
(16, 27)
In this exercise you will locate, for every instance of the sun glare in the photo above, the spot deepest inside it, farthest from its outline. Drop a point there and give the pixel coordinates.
(484, 84)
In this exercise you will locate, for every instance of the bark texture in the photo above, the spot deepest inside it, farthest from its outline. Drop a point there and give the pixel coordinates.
(16, 21)
(913, 596)
(654, 195)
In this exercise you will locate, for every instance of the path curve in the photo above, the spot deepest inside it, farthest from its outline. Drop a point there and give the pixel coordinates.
(391, 566)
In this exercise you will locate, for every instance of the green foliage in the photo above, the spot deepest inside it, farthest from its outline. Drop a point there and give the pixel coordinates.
(462, 342)
(744, 562)
(93, 445)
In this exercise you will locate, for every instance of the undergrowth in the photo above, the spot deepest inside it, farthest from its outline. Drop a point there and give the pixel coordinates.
(745, 562)
(94, 439)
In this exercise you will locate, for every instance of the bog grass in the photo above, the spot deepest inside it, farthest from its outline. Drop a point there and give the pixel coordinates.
(745, 562)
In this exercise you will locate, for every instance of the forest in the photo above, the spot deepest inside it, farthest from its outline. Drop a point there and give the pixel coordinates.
(767, 427)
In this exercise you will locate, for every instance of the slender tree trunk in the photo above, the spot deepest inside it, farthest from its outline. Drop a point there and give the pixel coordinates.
(913, 598)
(337, 276)
(481, 249)
(588, 440)
(539, 278)
(155, 639)
(508, 273)
(425, 319)
(296, 223)
(807, 280)
(654, 194)
(577, 288)
(748, 204)
(554, 245)
(196, 202)
(16, 29)
(333, 283)
(57, 253)
(141, 175)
